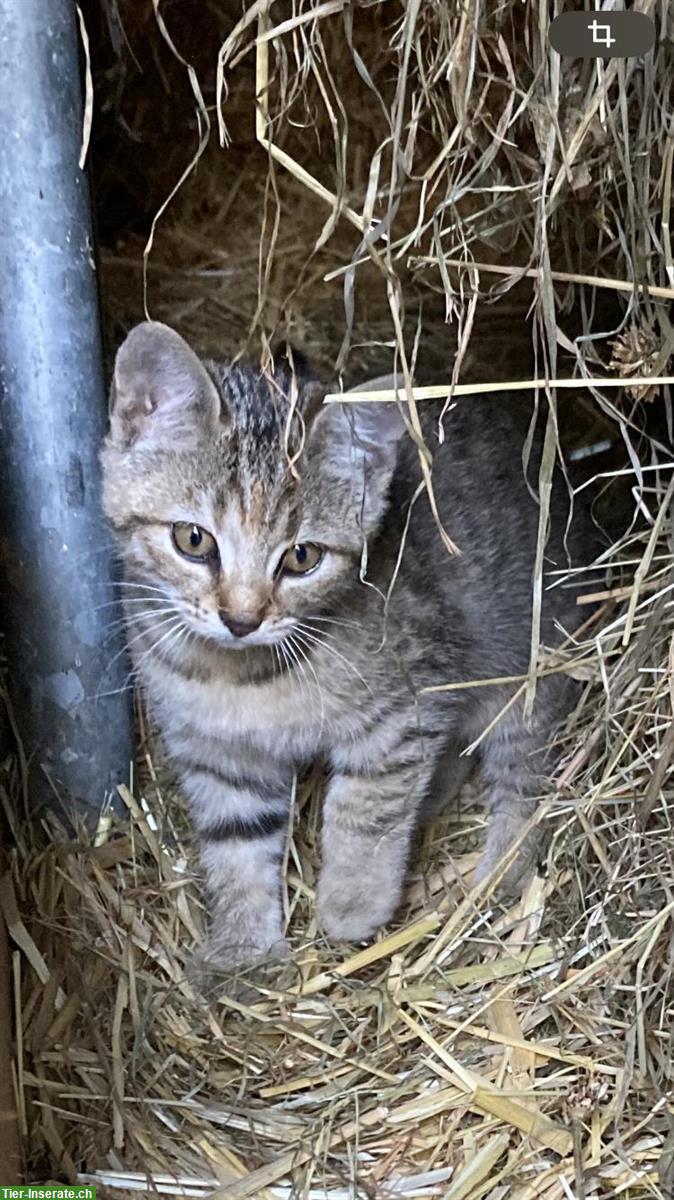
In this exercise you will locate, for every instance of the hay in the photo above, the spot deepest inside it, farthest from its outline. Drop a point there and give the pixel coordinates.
(469, 1052)
(425, 181)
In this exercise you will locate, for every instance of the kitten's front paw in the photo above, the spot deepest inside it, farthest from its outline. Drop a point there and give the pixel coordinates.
(518, 874)
(232, 966)
(350, 910)
(223, 954)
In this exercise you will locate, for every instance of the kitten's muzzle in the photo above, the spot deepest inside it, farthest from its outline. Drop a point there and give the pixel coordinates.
(240, 625)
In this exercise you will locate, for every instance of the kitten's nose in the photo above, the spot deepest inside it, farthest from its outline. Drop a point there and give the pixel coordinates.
(240, 626)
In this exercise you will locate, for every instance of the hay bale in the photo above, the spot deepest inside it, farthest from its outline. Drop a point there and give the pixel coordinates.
(425, 181)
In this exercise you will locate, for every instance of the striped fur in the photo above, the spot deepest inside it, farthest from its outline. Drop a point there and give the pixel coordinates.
(332, 672)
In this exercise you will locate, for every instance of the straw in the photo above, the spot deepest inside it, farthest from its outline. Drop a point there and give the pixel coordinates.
(427, 191)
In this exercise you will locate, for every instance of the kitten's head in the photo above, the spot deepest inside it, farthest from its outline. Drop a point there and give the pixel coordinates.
(239, 496)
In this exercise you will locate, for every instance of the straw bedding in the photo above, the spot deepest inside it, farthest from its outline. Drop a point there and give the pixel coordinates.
(471, 1051)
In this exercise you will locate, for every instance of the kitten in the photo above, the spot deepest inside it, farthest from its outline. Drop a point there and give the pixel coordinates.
(255, 601)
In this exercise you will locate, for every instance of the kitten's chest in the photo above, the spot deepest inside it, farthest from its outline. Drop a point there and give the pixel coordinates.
(277, 714)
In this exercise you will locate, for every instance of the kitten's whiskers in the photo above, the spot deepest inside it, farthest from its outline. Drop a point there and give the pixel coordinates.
(305, 682)
(123, 600)
(309, 635)
(174, 615)
(141, 634)
(175, 630)
(307, 659)
(166, 610)
(145, 587)
(338, 621)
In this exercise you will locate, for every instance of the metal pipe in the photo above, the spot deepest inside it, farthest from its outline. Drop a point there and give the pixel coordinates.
(67, 676)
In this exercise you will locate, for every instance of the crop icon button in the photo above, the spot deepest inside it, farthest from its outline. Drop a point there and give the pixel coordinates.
(602, 34)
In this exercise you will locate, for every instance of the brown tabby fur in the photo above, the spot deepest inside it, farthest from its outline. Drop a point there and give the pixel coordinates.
(336, 661)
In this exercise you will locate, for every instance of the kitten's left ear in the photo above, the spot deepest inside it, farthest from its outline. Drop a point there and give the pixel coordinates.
(161, 393)
(363, 431)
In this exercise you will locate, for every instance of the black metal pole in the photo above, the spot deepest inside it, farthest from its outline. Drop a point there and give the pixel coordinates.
(66, 674)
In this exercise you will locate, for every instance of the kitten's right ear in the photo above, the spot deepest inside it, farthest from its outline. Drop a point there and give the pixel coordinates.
(161, 392)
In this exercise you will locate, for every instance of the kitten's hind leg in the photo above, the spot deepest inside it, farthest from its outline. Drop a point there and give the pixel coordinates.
(515, 759)
(452, 771)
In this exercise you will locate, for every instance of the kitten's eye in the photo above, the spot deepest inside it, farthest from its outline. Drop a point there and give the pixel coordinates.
(193, 541)
(301, 559)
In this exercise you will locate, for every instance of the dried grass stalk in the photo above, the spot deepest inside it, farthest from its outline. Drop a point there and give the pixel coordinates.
(478, 186)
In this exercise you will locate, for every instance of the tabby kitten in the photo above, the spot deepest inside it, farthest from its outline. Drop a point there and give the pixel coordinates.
(288, 599)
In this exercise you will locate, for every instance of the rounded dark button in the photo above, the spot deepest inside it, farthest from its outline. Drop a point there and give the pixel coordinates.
(602, 34)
